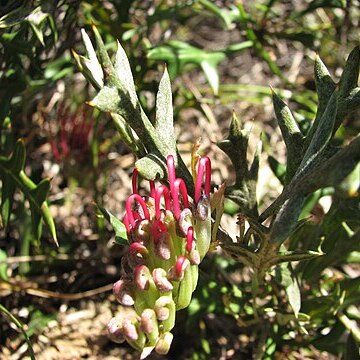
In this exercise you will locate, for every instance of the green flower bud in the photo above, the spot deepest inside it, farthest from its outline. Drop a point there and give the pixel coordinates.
(163, 345)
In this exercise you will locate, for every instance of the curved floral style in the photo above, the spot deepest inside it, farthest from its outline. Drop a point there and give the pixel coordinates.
(168, 237)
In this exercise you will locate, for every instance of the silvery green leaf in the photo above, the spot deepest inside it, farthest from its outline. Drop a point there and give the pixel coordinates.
(350, 75)
(124, 74)
(286, 219)
(286, 278)
(164, 112)
(128, 135)
(92, 64)
(151, 167)
(105, 60)
(107, 100)
(321, 136)
(348, 105)
(92, 71)
(289, 256)
(325, 87)
(291, 134)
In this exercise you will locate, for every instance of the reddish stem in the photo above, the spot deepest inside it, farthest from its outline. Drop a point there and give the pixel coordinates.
(171, 171)
(152, 188)
(189, 238)
(161, 191)
(180, 265)
(204, 166)
(134, 181)
(179, 187)
(158, 228)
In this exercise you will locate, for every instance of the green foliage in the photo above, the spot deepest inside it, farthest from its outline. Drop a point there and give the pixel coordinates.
(179, 54)
(289, 280)
(13, 176)
(313, 164)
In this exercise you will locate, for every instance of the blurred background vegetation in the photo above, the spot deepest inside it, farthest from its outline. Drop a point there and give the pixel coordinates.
(221, 55)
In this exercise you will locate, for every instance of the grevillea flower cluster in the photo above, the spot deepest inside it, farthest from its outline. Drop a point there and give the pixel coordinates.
(168, 237)
(73, 138)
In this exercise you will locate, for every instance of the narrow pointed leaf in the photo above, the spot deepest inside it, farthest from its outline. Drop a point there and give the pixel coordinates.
(15, 16)
(290, 256)
(285, 276)
(92, 64)
(117, 225)
(36, 221)
(41, 191)
(92, 72)
(291, 134)
(325, 87)
(164, 112)
(107, 100)
(11, 171)
(104, 56)
(254, 168)
(321, 137)
(350, 75)
(49, 221)
(347, 105)
(286, 220)
(17, 160)
(211, 75)
(3, 265)
(124, 74)
(7, 198)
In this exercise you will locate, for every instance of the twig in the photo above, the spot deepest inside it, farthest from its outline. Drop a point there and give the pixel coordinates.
(21, 327)
(47, 294)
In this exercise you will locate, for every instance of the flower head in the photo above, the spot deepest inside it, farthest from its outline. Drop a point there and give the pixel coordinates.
(73, 137)
(169, 235)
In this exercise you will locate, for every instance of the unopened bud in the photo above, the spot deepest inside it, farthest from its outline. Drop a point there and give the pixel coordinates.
(176, 273)
(163, 307)
(115, 331)
(162, 313)
(148, 321)
(129, 330)
(202, 208)
(162, 246)
(138, 249)
(185, 221)
(161, 280)
(163, 345)
(142, 277)
(194, 257)
(142, 230)
(122, 294)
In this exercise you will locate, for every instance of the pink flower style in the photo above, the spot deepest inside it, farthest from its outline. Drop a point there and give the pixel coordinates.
(168, 237)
